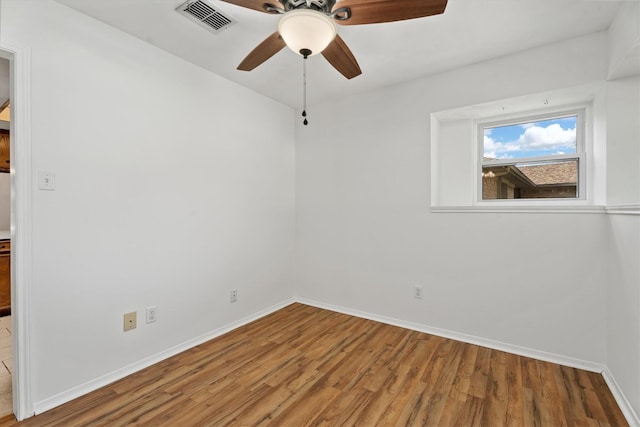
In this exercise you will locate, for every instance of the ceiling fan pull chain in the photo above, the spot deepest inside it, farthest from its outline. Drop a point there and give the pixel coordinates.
(305, 54)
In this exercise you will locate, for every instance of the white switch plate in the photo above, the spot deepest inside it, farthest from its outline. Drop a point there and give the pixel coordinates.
(46, 180)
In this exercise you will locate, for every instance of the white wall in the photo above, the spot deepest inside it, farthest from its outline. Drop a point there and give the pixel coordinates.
(622, 101)
(453, 161)
(624, 41)
(623, 134)
(174, 186)
(623, 305)
(623, 252)
(366, 234)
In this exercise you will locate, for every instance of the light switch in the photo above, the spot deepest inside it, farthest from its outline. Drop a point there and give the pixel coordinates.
(46, 180)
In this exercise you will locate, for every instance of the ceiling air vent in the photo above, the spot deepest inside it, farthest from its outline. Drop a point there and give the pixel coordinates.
(204, 13)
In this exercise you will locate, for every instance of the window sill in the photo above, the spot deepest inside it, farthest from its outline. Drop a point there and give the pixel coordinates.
(521, 209)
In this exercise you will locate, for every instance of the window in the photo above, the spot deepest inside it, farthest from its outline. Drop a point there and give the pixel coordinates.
(538, 157)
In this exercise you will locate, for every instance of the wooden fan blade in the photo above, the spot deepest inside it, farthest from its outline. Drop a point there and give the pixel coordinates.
(258, 5)
(376, 11)
(340, 56)
(265, 50)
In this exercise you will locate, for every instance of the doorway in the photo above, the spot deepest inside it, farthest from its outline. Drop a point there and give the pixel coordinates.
(6, 350)
(6, 347)
(18, 57)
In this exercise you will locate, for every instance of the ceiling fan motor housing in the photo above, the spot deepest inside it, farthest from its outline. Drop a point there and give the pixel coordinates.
(306, 31)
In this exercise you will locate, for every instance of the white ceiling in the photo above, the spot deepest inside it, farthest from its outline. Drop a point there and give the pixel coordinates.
(469, 31)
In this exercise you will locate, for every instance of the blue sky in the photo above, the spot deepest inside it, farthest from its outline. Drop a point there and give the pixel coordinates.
(541, 138)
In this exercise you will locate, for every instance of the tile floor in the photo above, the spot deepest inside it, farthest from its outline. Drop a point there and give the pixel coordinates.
(6, 355)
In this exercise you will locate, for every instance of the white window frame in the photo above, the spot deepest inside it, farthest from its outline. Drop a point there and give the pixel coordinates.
(580, 155)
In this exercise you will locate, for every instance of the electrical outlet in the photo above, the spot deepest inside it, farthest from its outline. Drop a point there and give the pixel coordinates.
(151, 314)
(233, 296)
(130, 321)
(417, 292)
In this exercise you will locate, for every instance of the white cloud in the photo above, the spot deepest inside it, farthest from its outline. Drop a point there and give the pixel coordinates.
(489, 143)
(511, 146)
(552, 136)
(493, 146)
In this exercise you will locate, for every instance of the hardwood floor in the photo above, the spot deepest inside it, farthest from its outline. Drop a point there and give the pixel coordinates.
(307, 366)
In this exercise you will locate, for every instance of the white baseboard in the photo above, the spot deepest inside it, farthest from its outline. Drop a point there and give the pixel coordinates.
(89, 386)
(621, 399)
(471, 339)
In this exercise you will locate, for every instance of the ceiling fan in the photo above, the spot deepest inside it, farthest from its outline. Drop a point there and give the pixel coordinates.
(308, 26)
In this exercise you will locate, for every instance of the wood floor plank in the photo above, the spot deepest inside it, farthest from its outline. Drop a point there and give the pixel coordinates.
(495, 412)
(550, 394)
(515, 399)
(480, 375)
(462, 381)
(536, 414)
(439, 385)
(468, 413)
(564, 394)
(574, 407)
(411, 392)
(347, 405)
(380, 400)
(304, 366)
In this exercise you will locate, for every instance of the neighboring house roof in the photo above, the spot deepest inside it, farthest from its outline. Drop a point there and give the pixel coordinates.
(564, 173)
(549, 174)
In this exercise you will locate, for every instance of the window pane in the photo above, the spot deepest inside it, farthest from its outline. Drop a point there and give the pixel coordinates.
(551, 179)
(532, 139)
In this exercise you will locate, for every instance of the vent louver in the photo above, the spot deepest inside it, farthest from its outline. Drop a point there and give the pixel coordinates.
(204, 13)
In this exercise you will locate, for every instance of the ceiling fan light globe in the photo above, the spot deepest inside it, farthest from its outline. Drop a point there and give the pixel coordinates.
(306, 29)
